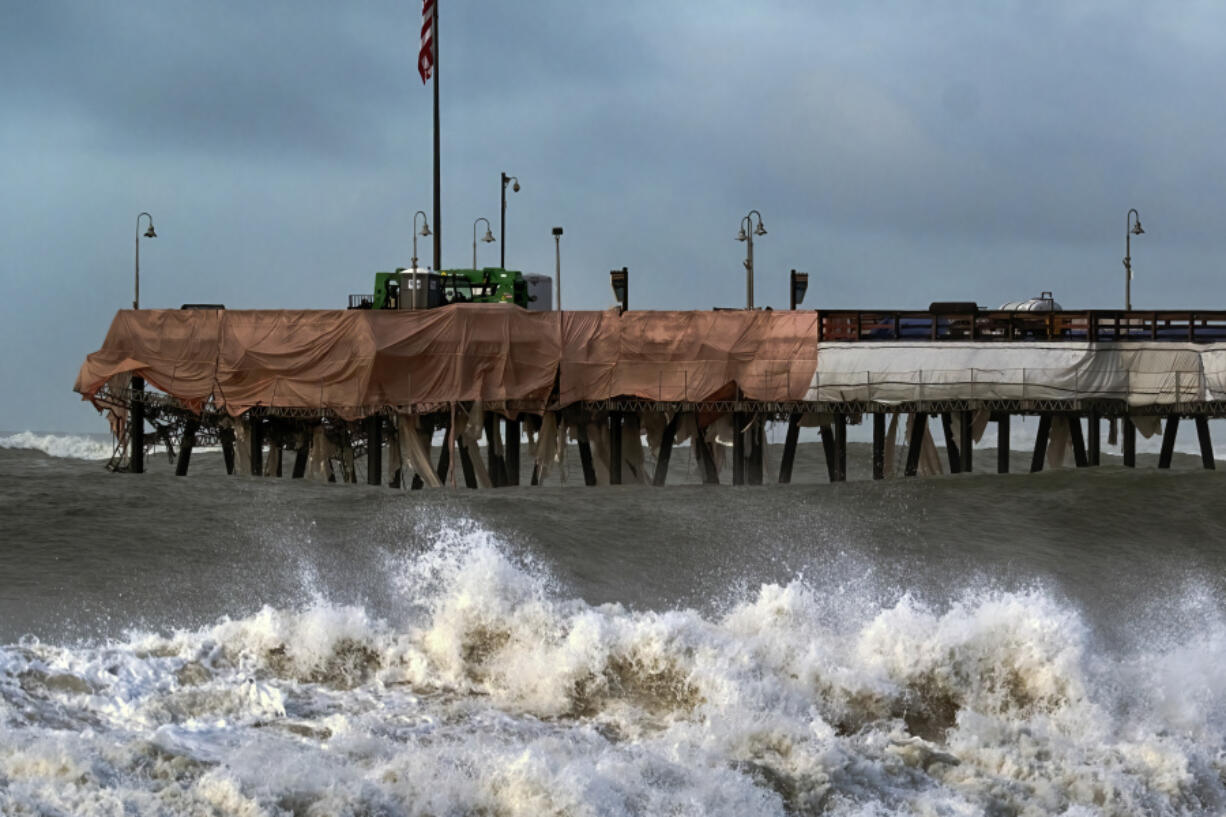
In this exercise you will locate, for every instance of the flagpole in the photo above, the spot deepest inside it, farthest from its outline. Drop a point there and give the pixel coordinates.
(438, 208)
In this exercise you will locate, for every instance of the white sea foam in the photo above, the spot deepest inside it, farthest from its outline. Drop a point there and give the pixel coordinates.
(69, 446)
(497, 694)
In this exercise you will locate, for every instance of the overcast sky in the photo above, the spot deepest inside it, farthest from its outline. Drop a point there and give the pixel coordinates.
(899, 152)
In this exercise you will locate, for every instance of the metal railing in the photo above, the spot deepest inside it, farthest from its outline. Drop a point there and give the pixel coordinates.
(987, 325)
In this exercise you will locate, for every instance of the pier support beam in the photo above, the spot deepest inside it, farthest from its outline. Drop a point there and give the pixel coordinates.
(302, 456)
(1206, 444)
(1079, 444)
(966, 443)
(757, 441)
(951, 447)
(374, 450)
(878, 446)
(186, 445)
(136, 427)
(666, 451)
(1002, 443)
(1040, 443)
(710, 474)
(511, 443)
(1094, 437)
(738, 449)
(257, 445)
(915, 443)
(615, 448)
(227, 448)
(840, 447)
(444, 457)
(1130, 443)
(1169, 431)
(832, 468)
(585, 454)
(789, 449)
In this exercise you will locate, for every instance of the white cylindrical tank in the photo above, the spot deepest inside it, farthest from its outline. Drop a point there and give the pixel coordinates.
(1044, 303)
(540, 292)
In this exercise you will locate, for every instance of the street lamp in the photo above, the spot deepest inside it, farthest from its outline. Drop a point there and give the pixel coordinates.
(747, 235)
(425, 231)
(148, 234)
(502, 259)
(487, 238)
(557, 249)
(800, 285)
(1130, 230)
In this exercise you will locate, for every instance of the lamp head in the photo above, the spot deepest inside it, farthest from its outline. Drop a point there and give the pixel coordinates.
(488, 237)
(1136, 230)
(557, 231)
(150, 233)
(740, 236)
(761, 228)
(515, 187)
(425, 230)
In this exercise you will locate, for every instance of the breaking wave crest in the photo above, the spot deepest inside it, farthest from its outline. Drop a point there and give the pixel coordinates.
(68, 446)
(496, 694)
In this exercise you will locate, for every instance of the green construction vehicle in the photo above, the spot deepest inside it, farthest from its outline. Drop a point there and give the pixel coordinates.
(421, 289)
(491, 285)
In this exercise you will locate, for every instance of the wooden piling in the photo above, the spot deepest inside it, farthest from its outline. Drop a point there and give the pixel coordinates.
(256, 441)
(302, 456)
(966, 444)
(710, 474)
(840, 447)
(915, 443)
(511, 444)
(190, 427)
(738, 449)
(585, 453)
(1040, 442)
(1168, 441)
(226, 437)
(1130, 443)
(136, 427)
(951, 447)
(757, 440)
(466, 465)
(615, 448)
(832, 466)
(1094, 435)
(1206, 444)
(374, 450)
(1080, 459)
(666, 451)
(878, 446)
(494, 461)
(1002, 443)
(789, 449)
(443, 470)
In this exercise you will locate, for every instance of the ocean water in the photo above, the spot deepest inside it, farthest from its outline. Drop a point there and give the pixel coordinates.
(958, 645)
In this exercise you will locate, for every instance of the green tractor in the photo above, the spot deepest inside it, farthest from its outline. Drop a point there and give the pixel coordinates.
(491, 285)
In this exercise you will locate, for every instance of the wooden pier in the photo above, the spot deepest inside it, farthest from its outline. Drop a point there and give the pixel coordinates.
(376, 390)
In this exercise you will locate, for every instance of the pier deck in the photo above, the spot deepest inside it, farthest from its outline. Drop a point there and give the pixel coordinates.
(339, 386)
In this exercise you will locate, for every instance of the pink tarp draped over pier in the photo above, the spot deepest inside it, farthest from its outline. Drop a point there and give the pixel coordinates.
(356, 361)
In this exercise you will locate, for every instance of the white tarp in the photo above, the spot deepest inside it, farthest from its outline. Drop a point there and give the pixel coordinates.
(1143, 373)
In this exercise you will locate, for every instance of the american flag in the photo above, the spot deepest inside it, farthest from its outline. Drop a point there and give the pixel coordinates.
(425, 58)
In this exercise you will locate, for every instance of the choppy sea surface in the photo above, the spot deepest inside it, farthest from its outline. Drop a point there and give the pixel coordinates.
(953, 645)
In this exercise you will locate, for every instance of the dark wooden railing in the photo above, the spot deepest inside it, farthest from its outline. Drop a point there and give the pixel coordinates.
(984, 325)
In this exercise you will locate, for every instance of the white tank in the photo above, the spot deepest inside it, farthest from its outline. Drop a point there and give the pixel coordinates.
(540, 292)
(1043, 303)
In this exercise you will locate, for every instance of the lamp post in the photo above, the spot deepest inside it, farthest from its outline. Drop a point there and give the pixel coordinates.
(148, 234)
(502, 259)
(747, 235)
(425, 231)
(1130, 229)
(487, 238)
(557, 250)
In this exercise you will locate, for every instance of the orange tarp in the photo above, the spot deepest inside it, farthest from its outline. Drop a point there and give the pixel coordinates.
(357, 361)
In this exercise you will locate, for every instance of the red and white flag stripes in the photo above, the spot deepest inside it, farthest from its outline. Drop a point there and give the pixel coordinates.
(425, 58)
